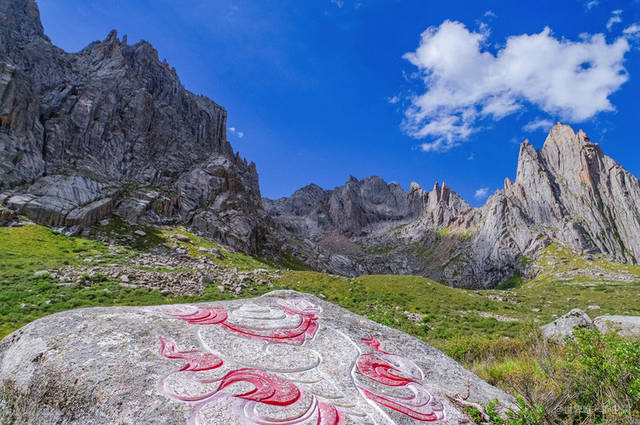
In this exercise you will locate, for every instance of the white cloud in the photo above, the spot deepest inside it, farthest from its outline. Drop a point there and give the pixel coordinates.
(632, 30)
(591, 4)
(239, 134)
(338, 3)
(465, 83)
(538, 124)
(616, 18)
(481, 193)
(393, 99)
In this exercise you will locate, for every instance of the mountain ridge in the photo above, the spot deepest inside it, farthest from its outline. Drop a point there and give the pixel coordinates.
(568, 191)
(111, 130)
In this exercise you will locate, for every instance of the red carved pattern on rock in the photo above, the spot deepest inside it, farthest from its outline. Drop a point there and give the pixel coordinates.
(306, 328)
(400, 407)
(204, 316)
(329, 415)
(267, 388)
(421, 406)
(197, 361)
(374, 367)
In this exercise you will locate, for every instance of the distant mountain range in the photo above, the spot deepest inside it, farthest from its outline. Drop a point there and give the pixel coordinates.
(568, 192)
(111, 130)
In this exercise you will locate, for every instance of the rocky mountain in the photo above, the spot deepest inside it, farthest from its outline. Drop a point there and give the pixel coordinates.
(568, 192)
(112, 129)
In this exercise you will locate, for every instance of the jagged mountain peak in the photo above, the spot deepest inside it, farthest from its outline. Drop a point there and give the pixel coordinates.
(568, 191)
(111, 129)
(23, 17)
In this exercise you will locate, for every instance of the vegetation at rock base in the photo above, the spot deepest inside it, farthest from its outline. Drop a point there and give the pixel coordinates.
(494, 333)
(595, 379)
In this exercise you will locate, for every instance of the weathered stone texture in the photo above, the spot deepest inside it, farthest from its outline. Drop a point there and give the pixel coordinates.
(309, 361)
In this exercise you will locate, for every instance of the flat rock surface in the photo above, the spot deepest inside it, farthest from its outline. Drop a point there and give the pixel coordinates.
(281, 358)
(628, 326)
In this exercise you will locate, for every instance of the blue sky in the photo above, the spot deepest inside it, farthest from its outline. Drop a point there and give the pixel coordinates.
(410, 90)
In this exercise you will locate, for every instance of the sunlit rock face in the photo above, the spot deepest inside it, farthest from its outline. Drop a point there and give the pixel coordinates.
(569, 191)
(284, 358)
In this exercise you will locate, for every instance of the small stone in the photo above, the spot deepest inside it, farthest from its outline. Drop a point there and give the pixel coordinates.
(221, 288)
(124, 278)
(104, 222)
(140, 233)
(181, 237)
(41, 272)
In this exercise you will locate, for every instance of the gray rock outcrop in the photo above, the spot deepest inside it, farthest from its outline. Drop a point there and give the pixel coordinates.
(364, 226)
(7, 217)
(627, 326)
(568, 192)
(564, 326)
(283, 355)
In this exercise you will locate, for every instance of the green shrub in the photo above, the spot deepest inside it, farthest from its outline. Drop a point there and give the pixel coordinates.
(604, 376)
(595, 379)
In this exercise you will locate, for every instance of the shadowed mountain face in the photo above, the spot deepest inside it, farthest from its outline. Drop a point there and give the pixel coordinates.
(111, 129)
(359, 207)
(568, 192)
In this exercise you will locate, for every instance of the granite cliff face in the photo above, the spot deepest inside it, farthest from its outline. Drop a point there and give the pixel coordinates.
(356, 228)
(112, 129)
(568, 192)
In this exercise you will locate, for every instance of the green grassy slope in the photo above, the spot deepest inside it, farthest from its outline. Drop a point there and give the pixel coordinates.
(424, 308)
(492, 332)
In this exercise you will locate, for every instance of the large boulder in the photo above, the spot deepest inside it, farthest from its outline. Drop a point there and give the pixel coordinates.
(564, 326)
(281, 358)
(628, 326)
